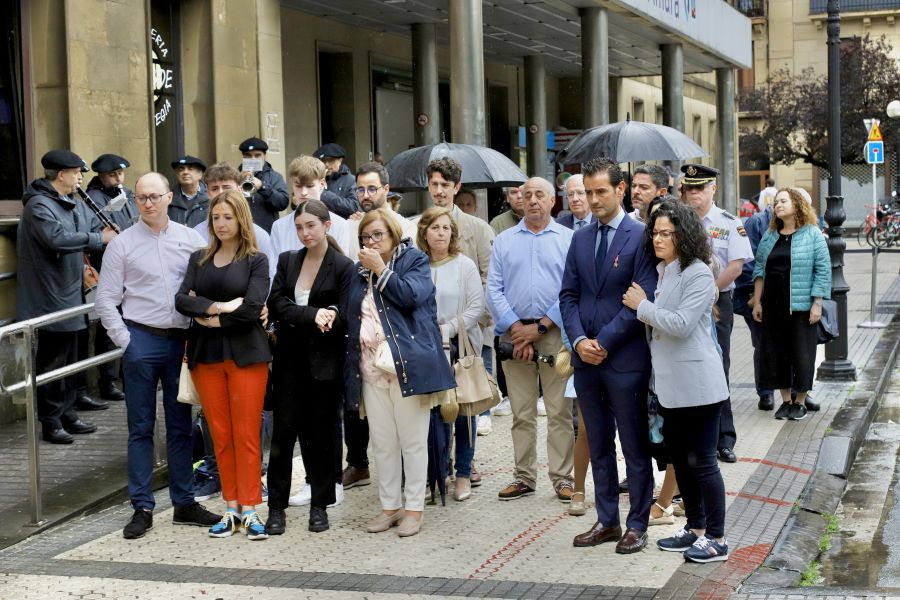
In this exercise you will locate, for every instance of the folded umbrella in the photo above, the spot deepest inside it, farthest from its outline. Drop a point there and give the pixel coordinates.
(481, 166)
(438, 454)
(630, 141)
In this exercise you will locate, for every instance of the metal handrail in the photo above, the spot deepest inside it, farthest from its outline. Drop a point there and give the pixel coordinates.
(28, 328)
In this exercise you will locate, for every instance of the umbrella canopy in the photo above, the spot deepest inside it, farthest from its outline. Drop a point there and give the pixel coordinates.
(438, 454)
(629, 141)
(481, 166)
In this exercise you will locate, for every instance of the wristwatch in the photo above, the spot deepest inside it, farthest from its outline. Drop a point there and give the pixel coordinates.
(542, 329)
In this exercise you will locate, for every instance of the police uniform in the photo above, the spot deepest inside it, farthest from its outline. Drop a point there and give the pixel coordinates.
(729, 242)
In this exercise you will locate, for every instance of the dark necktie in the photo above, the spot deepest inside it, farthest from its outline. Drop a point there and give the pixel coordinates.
(579, 224)
(601, 250)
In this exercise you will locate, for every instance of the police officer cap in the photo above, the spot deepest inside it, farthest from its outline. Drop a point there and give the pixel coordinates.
(63, 159)
(698, 174)
(330, 151)
(187, 159)
(106, 163)
(253, 144)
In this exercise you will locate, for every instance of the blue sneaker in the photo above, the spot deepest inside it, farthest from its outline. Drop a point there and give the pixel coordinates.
(226, 527)
(683, 539)
(707, 549)
(253, 526)
(205, 486)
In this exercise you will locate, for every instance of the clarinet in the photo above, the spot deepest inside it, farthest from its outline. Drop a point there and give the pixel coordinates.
(104, 218)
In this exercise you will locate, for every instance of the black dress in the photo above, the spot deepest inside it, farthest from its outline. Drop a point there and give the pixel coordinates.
(788, 340)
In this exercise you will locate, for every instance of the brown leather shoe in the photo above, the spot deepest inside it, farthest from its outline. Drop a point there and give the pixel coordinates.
(633, 541)
(517, 489)
(564, 491)
(598, 534)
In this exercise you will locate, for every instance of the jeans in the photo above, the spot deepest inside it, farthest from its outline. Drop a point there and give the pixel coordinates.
(465, 445)
(149, 360)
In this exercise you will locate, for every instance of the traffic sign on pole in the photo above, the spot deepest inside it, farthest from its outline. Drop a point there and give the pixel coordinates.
(874, 152)
(875, 132)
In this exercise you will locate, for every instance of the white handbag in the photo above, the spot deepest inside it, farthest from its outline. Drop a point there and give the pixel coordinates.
(384, 360)
(187, 393)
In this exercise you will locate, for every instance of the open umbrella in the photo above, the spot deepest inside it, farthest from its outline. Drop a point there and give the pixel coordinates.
(481, 166)
(438, 452)
(629, 141)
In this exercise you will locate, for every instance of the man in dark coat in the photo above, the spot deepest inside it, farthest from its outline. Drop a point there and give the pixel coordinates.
(339, 179)
(189, 198)
(53, 234)
(270, 194)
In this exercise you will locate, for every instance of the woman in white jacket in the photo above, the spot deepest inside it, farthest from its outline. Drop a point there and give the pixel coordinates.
(458, 292)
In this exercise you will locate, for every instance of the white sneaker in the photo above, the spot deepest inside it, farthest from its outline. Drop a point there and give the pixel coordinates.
(301, 498)
(503, 409)
(542, 410)
(483, 425)
(338, 495)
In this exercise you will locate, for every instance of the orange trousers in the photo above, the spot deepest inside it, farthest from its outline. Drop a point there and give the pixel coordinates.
(232, 399)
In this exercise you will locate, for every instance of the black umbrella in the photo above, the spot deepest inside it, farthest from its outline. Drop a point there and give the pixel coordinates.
(481, 167)
(438, 453)
(629, 141)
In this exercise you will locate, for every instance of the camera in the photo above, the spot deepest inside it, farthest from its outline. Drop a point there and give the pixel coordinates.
(505, 352)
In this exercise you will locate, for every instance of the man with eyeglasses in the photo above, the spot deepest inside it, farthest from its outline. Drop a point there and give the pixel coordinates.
(730, 245)
(54, 232)
(580, 213)
(142, 270)
(372, 187)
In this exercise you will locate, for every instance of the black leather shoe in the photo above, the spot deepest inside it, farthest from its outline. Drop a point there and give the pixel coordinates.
(811, 406)
(633, 541)
(623, 486)
(766, 402)
(58, 436)
(85, 402)
(598, 534)
(111, 392)
(80, 426)
(275, 524)
(727, 455)
(318, 519)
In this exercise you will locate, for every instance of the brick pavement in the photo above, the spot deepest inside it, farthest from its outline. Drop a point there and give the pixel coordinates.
(480, 548)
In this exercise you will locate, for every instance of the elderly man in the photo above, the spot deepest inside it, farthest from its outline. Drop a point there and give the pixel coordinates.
(339, 178)
(647, 183)
(270, 195)
(611, 356)
(579, 212)
(54, 232)
(189, 199)
(142, 270)
(523, 284)
(511, 217)
(732, 248)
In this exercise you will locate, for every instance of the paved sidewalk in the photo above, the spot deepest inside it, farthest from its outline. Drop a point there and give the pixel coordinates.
(478, 548)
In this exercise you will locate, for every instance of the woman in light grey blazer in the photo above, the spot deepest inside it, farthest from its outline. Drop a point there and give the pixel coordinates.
(688, 376)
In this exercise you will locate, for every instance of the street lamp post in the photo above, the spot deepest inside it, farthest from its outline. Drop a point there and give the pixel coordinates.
(836, 366)
(893, 112)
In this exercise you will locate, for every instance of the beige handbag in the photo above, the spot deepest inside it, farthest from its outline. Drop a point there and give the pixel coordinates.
(563, 363)
(187, 393)
(476, 390)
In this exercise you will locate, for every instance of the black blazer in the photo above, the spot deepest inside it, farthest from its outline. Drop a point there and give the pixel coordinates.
(241, 334)
(298, 336)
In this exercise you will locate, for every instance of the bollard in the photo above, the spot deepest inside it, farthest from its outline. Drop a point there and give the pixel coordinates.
(872, 323)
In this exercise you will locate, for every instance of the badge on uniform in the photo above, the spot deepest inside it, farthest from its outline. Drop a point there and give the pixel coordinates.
(742, 231)
(717, 233)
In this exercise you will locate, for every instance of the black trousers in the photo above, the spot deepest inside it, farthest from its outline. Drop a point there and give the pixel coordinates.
(356, 436)
(338, 440)
(727, 433)
(308, 416)
(690, 437)
(56, 399)
(789, 350)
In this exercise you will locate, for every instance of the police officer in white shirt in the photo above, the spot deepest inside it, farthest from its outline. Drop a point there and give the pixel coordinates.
(730, 245)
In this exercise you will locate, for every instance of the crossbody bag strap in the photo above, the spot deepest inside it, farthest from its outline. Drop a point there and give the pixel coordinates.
(462, 332)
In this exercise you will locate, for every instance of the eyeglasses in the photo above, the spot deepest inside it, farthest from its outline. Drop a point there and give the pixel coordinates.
(153, 198)
(376, 237)
(371, 190)
(664, 234)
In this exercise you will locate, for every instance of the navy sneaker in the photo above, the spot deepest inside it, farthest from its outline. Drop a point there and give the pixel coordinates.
(783, 411)
(707, 549)
(253, 526)
(227, 526)
(205, 486)
(681, 541)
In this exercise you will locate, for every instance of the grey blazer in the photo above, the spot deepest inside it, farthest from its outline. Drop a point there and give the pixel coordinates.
(687, 368)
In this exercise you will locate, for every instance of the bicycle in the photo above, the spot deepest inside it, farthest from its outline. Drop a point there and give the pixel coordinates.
(873, 223)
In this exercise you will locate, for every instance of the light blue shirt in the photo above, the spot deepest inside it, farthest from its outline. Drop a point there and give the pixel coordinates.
(611, 233)
(587, 220)
(525, 274)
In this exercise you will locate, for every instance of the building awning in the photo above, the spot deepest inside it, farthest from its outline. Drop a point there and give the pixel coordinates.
(713, 34)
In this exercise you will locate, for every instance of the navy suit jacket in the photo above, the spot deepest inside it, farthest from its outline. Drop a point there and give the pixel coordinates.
(568, 220)
(591, 302)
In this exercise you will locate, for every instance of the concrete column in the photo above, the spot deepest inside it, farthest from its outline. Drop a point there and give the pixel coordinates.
(426, 105)
(595, 65)
(673, 85)
(467, 72)
(535, 115)
(725, 114)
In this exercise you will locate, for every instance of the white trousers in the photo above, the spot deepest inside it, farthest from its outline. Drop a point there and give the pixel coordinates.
(398, 430)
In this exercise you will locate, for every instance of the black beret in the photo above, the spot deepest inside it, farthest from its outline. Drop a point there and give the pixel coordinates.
(698, 174)
(109, 162)
(63, 159)
(330, 150)
(187, 159)
(253, 144)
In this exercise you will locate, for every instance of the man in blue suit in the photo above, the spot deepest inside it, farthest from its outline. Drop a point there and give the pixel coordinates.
(611, 358)
(579, 213)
